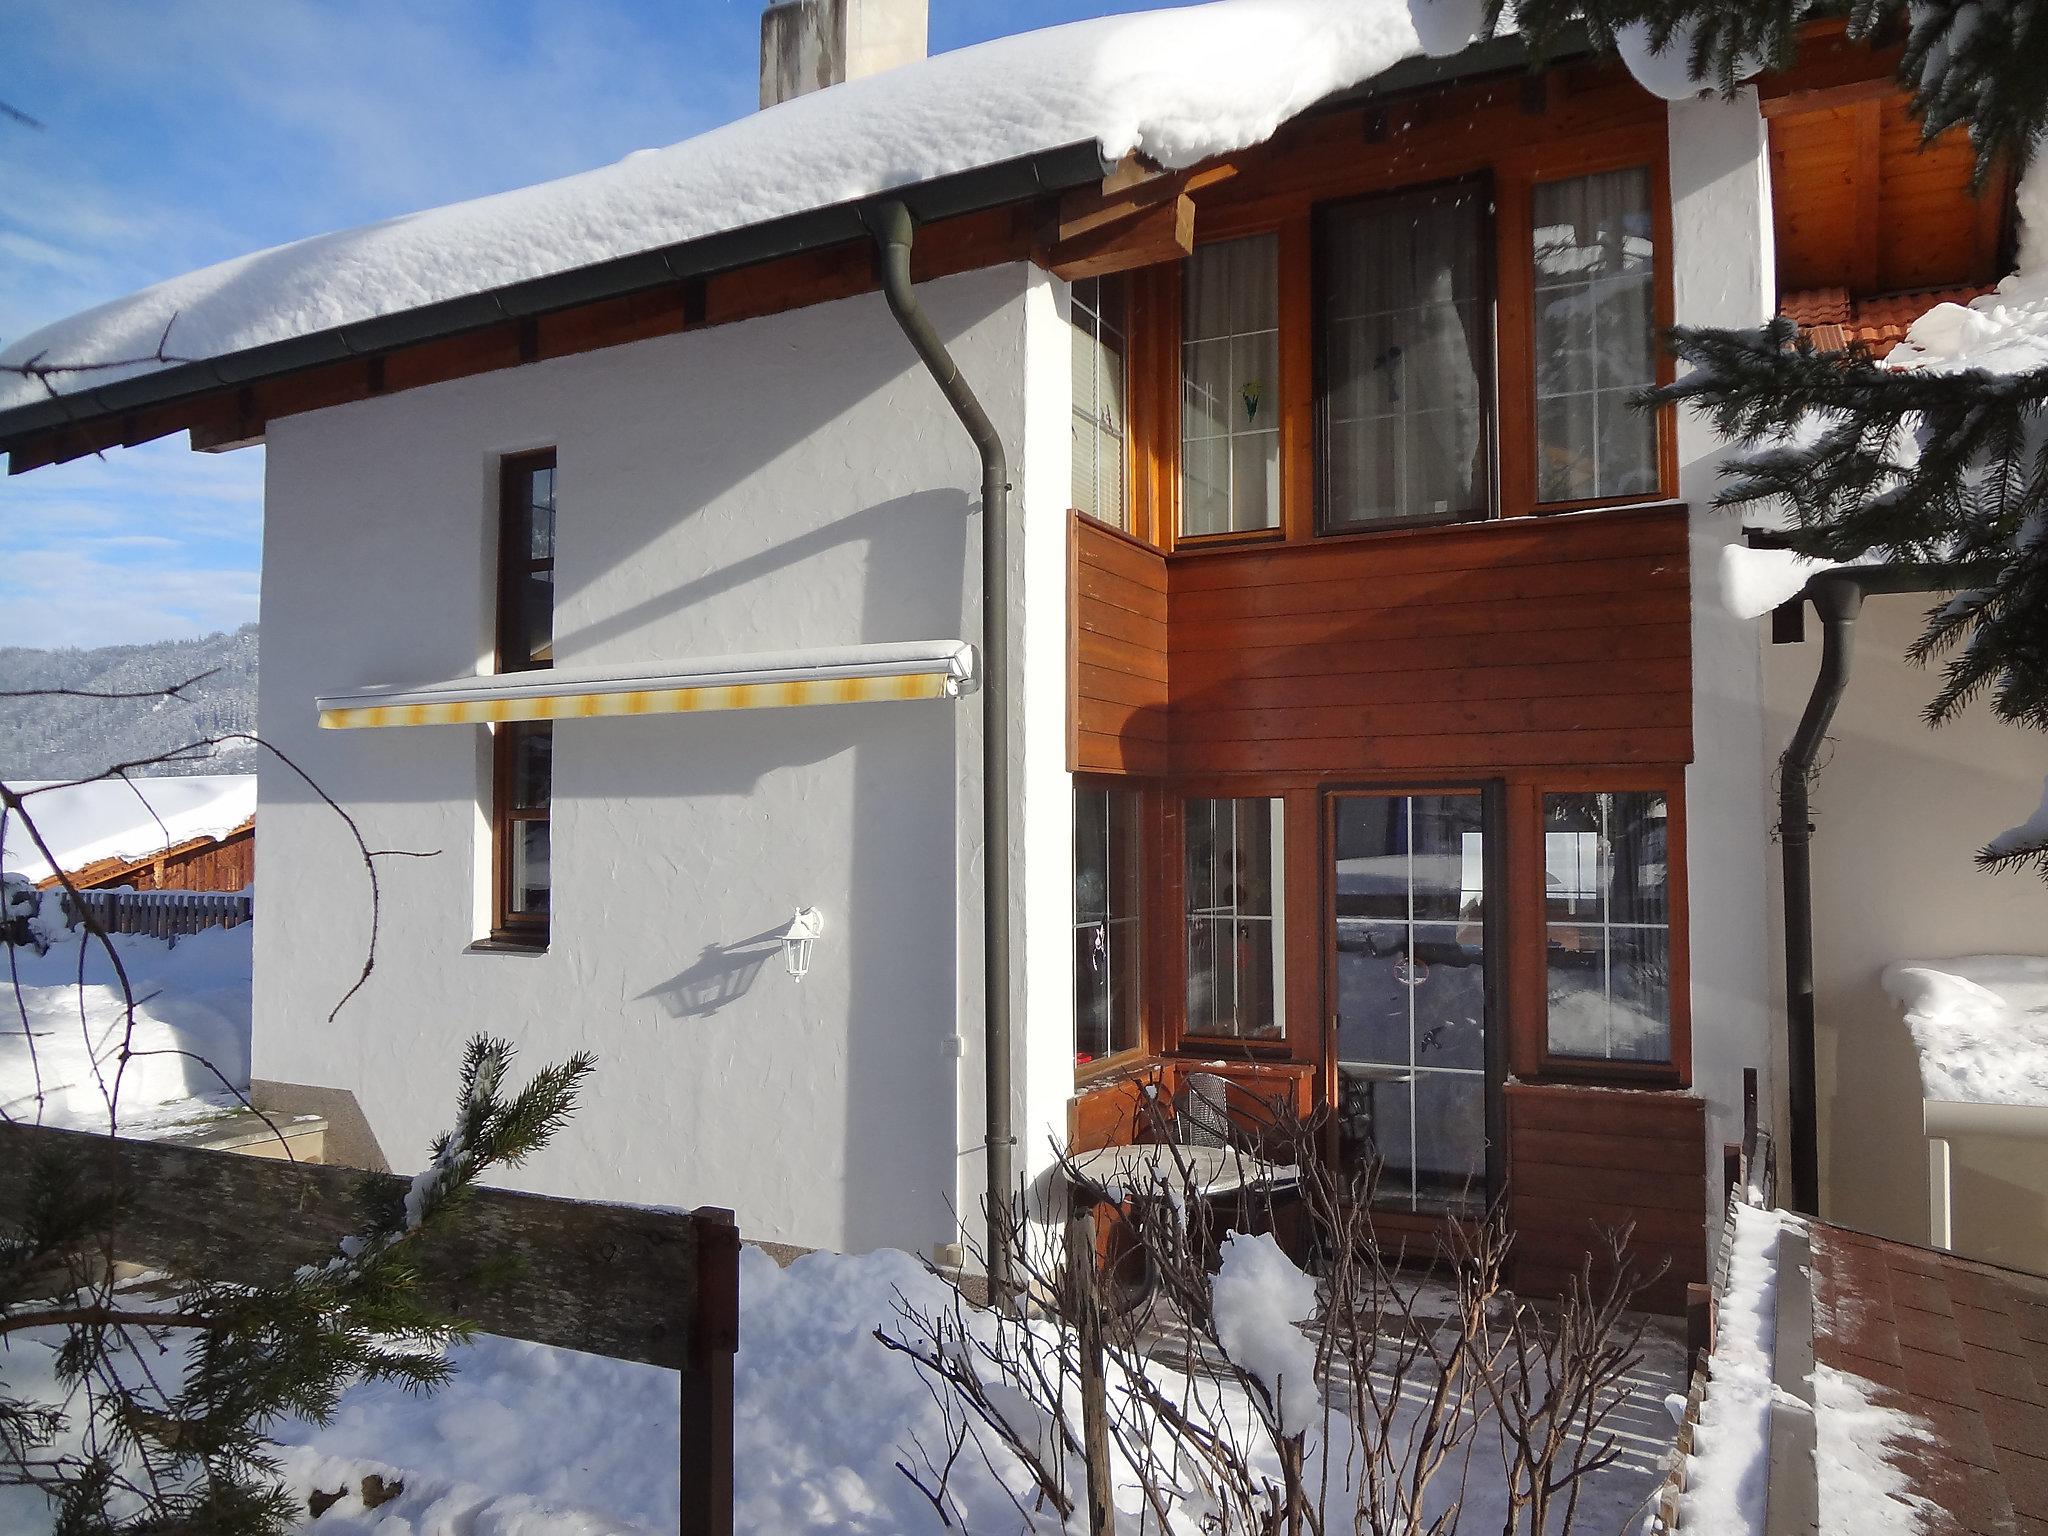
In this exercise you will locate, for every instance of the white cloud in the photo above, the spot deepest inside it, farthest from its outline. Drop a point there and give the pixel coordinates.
(56, 597)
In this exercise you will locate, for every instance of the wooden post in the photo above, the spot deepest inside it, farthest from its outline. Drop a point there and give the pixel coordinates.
(713, 1325)
(1085, 1295)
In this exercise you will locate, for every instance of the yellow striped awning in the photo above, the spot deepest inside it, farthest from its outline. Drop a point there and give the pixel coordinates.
(860, 674)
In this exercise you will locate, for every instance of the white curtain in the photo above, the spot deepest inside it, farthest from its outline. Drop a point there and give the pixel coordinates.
(1405, 344)
(1230, 387)
(1595, 336)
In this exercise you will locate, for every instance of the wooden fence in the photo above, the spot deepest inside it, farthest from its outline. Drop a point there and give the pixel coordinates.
(167, 915)
(655, 1286)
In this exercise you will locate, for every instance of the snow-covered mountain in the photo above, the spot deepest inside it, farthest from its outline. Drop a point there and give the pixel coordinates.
(54, 737)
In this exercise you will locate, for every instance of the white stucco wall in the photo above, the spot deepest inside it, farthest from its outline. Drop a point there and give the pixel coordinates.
(1899, 812)
(791, 481)
(1723, 275)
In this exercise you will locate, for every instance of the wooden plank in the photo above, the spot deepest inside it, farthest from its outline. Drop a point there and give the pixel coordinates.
(1580, 1149)
(1482, 717)
(1165, 232)
(1106, 718)
(1653, 1224)
(1098, 753)
(1118, 554)
(1627, 1186)
(1506, 542)
(1349, 754)
(1866, 233)
(1113, 654)
(1113, 687)
(707, 1392)
(1510, 616)
(1551, 681)
(1121, 624)
(1557, 1107)
(1195, 673)
(605, 1279)
(1530, 581)
(1098, 584)
(1827, 98)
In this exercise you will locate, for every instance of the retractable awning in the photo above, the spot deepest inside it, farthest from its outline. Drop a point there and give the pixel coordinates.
(859, 674)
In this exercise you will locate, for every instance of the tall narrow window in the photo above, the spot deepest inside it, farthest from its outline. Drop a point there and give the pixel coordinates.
(1236, 976)
(1099, 353)
(1595, 298)
(523, 751)
(1607, 926)
(1107, 948)
(1230, 388)
(1407, 358)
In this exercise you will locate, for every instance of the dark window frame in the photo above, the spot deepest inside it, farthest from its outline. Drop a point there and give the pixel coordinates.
(1488, 483)
(516, 566)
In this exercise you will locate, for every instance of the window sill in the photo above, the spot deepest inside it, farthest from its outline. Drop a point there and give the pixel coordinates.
(503, 946)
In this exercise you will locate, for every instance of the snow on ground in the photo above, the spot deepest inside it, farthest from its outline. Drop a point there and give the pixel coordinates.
(122, 818)
(1178, 85)
(532, 1441)
(1980, 1023)
(63, 1041)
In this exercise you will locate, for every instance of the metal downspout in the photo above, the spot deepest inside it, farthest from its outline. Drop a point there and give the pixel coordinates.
(1836, 601)
(893, 229)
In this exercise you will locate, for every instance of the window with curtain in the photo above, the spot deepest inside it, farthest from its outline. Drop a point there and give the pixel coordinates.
(1107, 929)
(1595, 309)
(1230, 387)
(1236, 976)
(1407, 358)
(1097, 315)
(523, 751)
(1607, 926)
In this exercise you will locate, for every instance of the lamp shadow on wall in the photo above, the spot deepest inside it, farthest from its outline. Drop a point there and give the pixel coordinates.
(723, 974)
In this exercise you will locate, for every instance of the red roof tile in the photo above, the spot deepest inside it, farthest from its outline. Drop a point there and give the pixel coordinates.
(1834, 320)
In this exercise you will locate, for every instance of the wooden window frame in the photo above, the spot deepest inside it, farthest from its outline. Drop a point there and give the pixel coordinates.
(1530, 1055)
(510, 928)
(1132, 527)
(1623, 158)
(1488, 508)
(1148, 800)
(1289, 210)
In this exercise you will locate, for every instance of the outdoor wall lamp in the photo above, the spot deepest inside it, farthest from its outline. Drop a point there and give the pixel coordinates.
(798, 938)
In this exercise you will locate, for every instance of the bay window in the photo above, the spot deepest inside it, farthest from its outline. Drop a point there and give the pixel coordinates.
(1234, 884)
(1407, 358)
(1595, 317)
(1108, 948)
(1607, 926)
(1230, 388)
(1097, 314)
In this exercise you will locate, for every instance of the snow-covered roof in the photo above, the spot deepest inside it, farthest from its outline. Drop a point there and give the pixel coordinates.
(1981, 1026)
(1176, 85)
(123, 819)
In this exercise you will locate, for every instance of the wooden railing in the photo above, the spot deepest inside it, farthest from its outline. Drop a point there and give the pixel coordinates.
(168, 915)
(660, 1287)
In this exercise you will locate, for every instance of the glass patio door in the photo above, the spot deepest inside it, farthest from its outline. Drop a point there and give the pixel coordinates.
(1417, 1078)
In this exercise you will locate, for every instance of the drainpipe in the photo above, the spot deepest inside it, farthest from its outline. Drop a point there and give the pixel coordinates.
(893, 230)
(1836, 601)
(1837, 598)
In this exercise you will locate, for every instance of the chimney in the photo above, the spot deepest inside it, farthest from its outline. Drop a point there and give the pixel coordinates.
(809, 44)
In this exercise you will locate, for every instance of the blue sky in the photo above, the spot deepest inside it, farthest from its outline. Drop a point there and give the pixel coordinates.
(182, 132)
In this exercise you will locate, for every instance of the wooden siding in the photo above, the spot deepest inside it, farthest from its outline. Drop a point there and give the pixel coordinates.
(1857, 201)
(1585, 1160)
(1117, 653)
(1488, 646)
(203, 864)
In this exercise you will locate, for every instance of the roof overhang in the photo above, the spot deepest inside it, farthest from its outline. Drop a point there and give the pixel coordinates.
(1047, 172)
(918, 669)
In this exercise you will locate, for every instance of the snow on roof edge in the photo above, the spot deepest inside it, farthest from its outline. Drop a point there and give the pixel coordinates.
(1176, 85)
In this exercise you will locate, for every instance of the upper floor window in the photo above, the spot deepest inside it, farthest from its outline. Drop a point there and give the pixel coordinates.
(1237, 985)
(1107, 929)
(1595, 318)
(523, 750)
(1100, 351)
(1406, 408)
(1230, 387)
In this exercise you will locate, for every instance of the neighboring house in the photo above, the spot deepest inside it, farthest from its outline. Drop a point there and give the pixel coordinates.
(191, 833)
(1369, 726)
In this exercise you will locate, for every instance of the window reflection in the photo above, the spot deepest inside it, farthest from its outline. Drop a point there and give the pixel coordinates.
(1607, 928)
(1236, 977)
